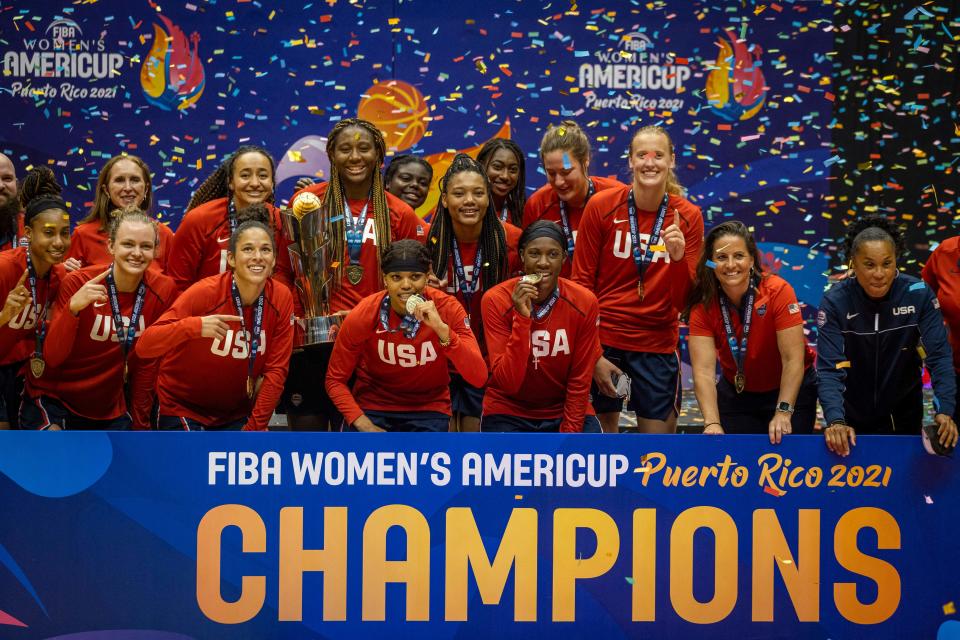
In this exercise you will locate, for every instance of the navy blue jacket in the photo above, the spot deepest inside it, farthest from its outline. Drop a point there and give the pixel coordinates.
(867, 356)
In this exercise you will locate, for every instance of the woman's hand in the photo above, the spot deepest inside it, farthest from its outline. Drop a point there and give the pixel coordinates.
(216, 326)
(91, 291)
(523, 295)
(436, 283)
(426, 312)
(779, 426)
(603, 375)
(673, 239)
(947, 430)
(303, 183)
(713, 429)
(365, 425)
(18, 298)
(840, 437)
(72, 264)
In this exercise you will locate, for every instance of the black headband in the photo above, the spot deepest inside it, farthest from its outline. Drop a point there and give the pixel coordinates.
(405, 263)
(552, 231)
(43, 203)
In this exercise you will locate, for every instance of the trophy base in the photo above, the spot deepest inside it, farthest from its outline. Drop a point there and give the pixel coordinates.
(317, 330)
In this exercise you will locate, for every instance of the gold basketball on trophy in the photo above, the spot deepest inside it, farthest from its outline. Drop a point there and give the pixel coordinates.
(304, 204)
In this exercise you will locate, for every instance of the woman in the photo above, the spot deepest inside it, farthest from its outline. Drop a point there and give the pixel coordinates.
(200, 246)
(542, 342)
(372, 219)
(502, 159)
(637, 250)
(941, 273)
(124, 181)
(753, 322)
(89, 362)
(409, 332)
(225, 343)
(471, 252)
(29, 277)
(870, 329)
(565, 155)
(408, 177)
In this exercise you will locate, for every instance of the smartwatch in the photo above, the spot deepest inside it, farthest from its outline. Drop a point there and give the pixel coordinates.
(785, 407)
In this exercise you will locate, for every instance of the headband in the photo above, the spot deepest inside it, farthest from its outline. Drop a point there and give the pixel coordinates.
(43, 203)
(551, 230)
(404, 263)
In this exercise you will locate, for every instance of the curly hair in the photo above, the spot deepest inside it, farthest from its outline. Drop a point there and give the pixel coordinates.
(217, 184)
(871, 228)
(517, 197)
(103, 207)
(334, 197)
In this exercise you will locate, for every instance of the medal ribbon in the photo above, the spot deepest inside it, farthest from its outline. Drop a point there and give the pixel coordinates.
(643, 260)
(541, 311)
(253, 345)
(126, 335)
(738, 351)
(232, 215)
(355, 229)
(41, 327)
(565, 220)
(467, 288)
(408, 324)
(505, 213)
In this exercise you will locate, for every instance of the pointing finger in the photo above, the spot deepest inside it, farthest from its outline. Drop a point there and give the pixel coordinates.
(224, 318)
(100, 277)
(676, 217)
(23, 277)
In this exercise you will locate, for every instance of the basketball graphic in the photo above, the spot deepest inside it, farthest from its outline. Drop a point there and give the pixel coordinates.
(398, 109)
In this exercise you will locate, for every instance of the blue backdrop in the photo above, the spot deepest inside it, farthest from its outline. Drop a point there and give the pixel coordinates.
(105, 531)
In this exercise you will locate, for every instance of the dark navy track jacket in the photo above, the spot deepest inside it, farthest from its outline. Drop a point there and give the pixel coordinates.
(867, 356)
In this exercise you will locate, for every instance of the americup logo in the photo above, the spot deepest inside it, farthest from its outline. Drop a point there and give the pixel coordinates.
(62, 64)
(172, 75)
(736, 89)
(634, 67)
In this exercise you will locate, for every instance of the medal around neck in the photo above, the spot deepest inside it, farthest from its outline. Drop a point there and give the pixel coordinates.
(37, 366)
(413, 302)
(532, 278)
(740, 381)
(307, 224)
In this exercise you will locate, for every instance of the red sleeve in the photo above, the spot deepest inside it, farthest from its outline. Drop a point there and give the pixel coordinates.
(463, 350)
(508, 341)
(183, 262)
(929, 273)
(76, 248)
(589, 241)
(699, 323)
(143, 371)
(63, 326)
(283, 271)
(783, 316)
(535, 205)
(277, 363)
(350, 341)
(584, 361)
(166, 245)
(176, 326)
(408, 225)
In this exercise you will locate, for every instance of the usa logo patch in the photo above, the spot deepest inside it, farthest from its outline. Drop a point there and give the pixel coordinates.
(762, 309)
(793, 308)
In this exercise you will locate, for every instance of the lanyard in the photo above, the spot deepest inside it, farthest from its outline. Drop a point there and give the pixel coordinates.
(467, 288)
(232, 215)
(565, 220)
(505, 213)
(739, 351)
(408, 325)
(254, 342)
(355, 229)
(643, 260)
(41, 327)
(126, 335)
(14, 240)
(541, 311)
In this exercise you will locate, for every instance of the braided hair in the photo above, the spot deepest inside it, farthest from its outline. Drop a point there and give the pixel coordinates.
(334, 197)
(871, 228)
(217, 184)
(40, 192)
(517, 197)
(493, 240)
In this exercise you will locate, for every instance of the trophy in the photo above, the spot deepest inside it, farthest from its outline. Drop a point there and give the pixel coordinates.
(307, 223)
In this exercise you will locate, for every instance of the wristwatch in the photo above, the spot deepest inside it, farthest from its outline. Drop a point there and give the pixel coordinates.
(785, 407)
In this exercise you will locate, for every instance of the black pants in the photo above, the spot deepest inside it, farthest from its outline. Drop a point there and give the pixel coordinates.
(751, 412)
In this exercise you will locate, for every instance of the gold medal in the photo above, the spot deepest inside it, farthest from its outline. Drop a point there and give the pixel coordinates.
(739, 381)
(250, 389)
(125, 372)
(640, 289)
(532, 278)
(354, 274)
(37, 365)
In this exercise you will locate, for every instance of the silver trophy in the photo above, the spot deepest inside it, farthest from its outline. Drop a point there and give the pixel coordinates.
(307, 223)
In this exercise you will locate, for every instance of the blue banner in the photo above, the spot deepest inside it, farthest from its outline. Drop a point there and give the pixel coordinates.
(348, 536)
